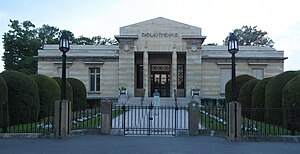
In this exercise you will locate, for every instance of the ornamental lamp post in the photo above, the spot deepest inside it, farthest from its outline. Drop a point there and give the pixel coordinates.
(233, 48)
(64, 47)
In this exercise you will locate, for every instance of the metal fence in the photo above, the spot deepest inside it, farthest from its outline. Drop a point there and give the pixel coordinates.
(149, 119)
(24, 119)
(270, 121)
(213, 118)
(86, 117)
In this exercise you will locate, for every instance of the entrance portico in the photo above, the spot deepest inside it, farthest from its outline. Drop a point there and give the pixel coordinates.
(156, 53)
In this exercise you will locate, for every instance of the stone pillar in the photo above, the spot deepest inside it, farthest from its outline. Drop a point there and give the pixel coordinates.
(193, 71)
(193, 118)
(174, 73)
(106, 119)
(146, 73)
(234, 121)
(63, 113)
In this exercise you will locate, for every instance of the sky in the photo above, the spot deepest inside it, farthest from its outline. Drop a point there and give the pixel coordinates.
(281, 19)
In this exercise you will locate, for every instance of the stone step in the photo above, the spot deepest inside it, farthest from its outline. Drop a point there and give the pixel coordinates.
(148, 100)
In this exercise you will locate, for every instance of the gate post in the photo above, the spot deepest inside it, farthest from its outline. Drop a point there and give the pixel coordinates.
(234, 121)
(193, 118)
(106, 119)
(62, 118)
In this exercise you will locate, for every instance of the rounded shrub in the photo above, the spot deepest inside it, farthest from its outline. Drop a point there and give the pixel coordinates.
(240, 80)
(69, 93)
(273, 97)
(258, 99)
(49, 92)
(79, 92)
(290, 101)
(23, 97)
(245, 96)
(3, 98)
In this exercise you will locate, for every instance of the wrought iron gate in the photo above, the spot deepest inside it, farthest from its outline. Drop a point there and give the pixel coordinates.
(149, 119)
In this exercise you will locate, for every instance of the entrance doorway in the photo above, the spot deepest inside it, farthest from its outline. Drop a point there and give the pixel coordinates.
(160, 80)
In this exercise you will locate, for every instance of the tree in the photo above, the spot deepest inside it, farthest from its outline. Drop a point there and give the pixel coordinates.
(240, 80)
(48, 34)
(21, 45)
(245, 96)
(251, 36)
(81, 40)
(49, 92)
(273, 97)
(98, 40)
(23, 97)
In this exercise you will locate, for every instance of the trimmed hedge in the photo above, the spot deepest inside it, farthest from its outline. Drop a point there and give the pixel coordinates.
(290, 100)
(23, 94)
(79, 92)
(3, 97)
(240, 80)
(258, 99)
(49, 92)
(273, 98)
(245, 95)
(69, 93)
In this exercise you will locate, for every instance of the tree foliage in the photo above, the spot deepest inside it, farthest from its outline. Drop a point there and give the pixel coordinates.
(48, 34)
(258, 98)
(23, 39)
(69, 93)
(245, 96)
(290, 101)
(240, 80)
(273, 97)
(251, 36)
(49, 92)
(21, 45)
(23, 94)
(3, 98)
(79, 93)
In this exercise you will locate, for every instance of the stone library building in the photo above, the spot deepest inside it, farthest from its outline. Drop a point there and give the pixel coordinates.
(158, 54)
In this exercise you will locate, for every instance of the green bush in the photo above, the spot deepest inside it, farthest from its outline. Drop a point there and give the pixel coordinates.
(49, 92)
(273, 98)
(3, 98)
(245, 95)
(22, 94)
(79, 92)
(258, 99)
(69, 93)
(290, 100)
(240, 80)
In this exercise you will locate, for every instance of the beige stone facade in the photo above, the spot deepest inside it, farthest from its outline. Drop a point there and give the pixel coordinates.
(158, 54)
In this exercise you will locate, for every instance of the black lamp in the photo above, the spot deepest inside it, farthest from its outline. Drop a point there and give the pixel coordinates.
(233, 48)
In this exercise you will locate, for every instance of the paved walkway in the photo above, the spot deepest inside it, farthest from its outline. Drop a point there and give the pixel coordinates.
(98, 144)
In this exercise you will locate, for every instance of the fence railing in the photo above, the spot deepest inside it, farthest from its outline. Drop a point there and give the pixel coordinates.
(270, 121)
(86, 117)
(149, 120)
(213, 118)
(24, 119)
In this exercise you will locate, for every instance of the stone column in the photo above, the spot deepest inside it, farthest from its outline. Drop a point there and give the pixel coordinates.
(106, 119)
(193, 118)
(234, 121)
(146, 73)
(193, 71)
(174, 73)
(63, 113)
